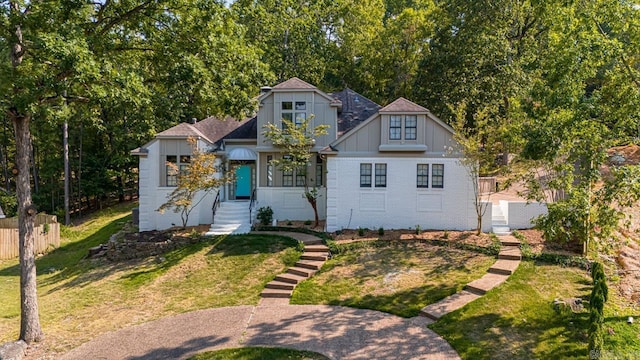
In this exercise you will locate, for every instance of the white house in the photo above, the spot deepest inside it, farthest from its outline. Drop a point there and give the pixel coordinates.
(377, 166)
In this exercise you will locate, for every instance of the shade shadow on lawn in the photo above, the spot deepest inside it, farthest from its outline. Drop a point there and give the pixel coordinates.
(66, 261)
(407, 303)
(226, 245)
(494, 336)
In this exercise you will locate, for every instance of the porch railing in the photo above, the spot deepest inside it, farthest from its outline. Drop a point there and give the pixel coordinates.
(214, 208)
(252, 203)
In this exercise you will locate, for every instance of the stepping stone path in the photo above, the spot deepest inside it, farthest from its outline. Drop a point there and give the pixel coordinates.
(313, 257)
(508, 261)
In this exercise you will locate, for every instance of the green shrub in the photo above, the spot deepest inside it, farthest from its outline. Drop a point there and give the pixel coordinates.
(308, 222)
(599, 295)
(445, 235)
(360, 231)
(265, 215)
(381, 231)
(418, 229)
(9, 204)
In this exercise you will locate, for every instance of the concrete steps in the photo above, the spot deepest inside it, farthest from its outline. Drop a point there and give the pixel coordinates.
(276, 293)
(301, 271)
(308, 264)
(313, 257)
(290, 278)
(280, 285)
(499, 221)
(232, 217)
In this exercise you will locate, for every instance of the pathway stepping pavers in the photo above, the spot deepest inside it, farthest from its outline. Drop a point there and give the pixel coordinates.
(486, 283)
(510, 253)
(508, 261)
(451, 303)
(504, 267)
(314, 255)
(509, 240)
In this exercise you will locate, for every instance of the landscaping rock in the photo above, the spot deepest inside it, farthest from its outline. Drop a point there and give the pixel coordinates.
(570, 304)
(14, 350)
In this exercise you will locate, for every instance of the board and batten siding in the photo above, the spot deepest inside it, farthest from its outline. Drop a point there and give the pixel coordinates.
(401, 204)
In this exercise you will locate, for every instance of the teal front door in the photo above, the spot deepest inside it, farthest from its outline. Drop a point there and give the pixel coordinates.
(243, 182)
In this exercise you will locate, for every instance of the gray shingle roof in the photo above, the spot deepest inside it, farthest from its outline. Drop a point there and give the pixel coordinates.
(211, 129)
(355, 109)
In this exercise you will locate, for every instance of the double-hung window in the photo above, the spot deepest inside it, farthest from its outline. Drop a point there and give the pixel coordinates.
(395, 127)
(403, 127)
(287, 178)
(301, 179)
(410, 127)
(422, 180)
(175, 166)
(381, 175)
(437, 176)
(286, 113)
(365, 175)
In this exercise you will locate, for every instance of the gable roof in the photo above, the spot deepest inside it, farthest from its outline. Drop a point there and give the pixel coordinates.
(355, 109)
(400, 105)
(404, 106)
(210, 129)
(294, 83)
(182, 130)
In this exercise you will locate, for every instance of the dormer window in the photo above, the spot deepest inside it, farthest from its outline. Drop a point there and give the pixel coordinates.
(297, 114)
(399, 122)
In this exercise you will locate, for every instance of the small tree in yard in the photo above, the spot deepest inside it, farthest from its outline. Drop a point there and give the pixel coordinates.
(200, 175)
(478, 150)
(296, 141)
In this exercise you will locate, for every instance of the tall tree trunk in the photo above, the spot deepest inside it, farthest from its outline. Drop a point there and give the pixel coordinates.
(65, 152)
(30, 329)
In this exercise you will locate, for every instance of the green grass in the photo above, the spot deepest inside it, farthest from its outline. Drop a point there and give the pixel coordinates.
(80, 298)
(259, 353)
(399, 279)
(517, 320)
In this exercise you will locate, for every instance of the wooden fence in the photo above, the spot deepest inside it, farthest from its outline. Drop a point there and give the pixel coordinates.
(487, 185)
(46, 230)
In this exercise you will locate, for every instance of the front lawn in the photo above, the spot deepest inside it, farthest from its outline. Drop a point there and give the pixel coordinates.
(400, 278)
(517, 319)
(81, 298)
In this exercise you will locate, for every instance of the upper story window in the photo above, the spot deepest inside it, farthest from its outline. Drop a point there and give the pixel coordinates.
(399, 124)
(395, 127)
(295, 112)
(410, 127)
